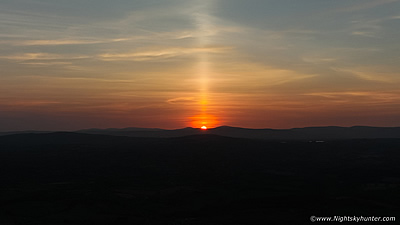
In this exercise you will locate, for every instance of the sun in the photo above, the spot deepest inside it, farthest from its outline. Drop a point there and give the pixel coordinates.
(203, 119)
(204, 128)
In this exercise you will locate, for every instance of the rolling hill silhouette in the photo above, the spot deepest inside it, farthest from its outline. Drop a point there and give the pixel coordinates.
(308, 133)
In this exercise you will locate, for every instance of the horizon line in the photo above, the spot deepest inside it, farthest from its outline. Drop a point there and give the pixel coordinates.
(198, 128)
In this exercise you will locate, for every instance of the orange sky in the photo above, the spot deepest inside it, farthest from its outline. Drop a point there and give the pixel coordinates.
(174, 64)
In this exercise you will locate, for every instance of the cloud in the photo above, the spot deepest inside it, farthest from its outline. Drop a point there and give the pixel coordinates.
(181, 100)
(364, 33)
(366, 5)
(319, 60)
(338, 55)
(369, 76)
(39, 56)
(362, 97)
(161, 53)
(46, 63)
(67, 42)
(31, 103)
(371, 27)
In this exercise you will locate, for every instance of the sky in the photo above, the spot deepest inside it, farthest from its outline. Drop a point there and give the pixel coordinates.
(68, 65)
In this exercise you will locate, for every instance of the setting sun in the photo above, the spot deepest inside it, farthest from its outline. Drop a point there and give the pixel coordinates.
(201, 120)
(204, 128)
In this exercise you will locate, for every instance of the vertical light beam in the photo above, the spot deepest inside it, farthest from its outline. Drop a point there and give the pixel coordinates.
(204, 33)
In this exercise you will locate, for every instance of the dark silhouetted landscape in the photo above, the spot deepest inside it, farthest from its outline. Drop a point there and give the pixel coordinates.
(131, 176)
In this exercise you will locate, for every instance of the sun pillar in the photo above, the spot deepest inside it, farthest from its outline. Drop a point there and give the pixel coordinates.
(204, 68)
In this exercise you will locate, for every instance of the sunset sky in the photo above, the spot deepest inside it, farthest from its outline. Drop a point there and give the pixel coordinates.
(75, 64)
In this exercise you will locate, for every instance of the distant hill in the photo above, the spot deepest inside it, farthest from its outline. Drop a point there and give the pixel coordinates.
(144, 132)
(305, 134)
(24, 132)
(311, 133)
(308, 133)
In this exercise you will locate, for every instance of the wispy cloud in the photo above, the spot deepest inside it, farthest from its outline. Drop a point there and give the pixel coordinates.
(33, 103)
(67, 42)
(319, 60)
(366, 5)
(367, 27)
(161, 54)
(369, 76)
(370, 27)
(40, 56)
(46, 63)
(337, 55)
(181, 100)
(360, 96)
(364, 33)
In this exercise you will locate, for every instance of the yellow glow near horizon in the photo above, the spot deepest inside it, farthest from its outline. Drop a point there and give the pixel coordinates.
(204, 67)
(204, 120)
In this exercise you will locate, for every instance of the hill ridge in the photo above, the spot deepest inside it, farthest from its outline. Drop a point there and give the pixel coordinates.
(306, 133)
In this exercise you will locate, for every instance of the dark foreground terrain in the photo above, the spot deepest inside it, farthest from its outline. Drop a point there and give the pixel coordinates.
(71, 178)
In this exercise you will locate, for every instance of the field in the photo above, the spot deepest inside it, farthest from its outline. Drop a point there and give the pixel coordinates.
(71, 178)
